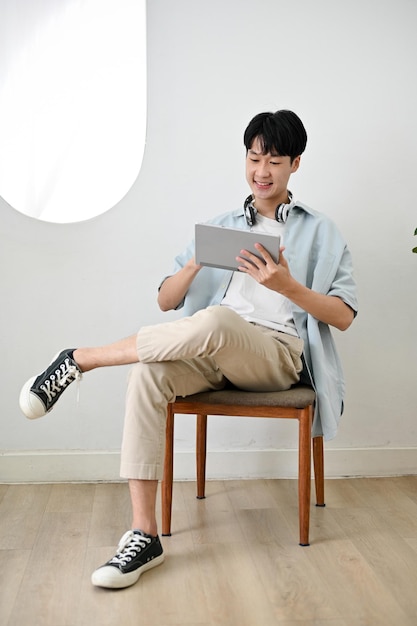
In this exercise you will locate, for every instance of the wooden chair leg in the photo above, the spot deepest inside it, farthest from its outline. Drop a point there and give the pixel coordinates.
(168, 477)
(304, 473)
(304, 469)
(201, 452)
(318, 462)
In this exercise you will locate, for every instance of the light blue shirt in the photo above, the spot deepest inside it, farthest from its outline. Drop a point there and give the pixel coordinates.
(318, 258)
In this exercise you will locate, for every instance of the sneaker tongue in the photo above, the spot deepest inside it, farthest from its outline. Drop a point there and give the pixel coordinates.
(140, 532)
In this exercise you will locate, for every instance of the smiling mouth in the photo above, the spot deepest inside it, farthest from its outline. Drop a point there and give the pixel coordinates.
(264, 185)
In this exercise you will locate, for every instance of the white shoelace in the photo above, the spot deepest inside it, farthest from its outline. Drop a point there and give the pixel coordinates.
(129, 546)
(72, 373)
(60, 379)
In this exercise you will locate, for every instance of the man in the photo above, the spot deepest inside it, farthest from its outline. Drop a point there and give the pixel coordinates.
(262, 328)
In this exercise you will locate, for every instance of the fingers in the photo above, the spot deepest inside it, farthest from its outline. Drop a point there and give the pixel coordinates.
(261, 266)
(257, 260)
(250, 261)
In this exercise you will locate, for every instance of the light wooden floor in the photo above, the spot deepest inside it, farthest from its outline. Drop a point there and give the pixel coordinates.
(233, 558)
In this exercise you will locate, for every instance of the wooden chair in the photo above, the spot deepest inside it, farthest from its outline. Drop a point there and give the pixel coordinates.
(296, 403)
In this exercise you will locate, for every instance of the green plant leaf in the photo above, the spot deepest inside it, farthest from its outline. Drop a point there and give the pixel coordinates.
(414, 250)
(415, 232)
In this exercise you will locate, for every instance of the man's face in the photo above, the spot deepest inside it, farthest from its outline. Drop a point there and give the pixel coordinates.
(268, 177)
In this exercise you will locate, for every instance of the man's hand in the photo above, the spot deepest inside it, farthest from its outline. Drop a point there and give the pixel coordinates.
(264, 270)
(276, 276)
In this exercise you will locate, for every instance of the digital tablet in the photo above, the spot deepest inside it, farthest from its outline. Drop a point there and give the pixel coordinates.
(218, 246)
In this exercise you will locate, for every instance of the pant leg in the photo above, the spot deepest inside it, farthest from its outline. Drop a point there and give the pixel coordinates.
(195, 354)
(251, 357)
(151, 386)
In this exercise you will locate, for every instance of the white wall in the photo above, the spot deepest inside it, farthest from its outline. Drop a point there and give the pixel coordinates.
(347, 68)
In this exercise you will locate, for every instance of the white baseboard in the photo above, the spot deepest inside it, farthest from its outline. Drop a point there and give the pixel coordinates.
(92, 466)
(50, 466)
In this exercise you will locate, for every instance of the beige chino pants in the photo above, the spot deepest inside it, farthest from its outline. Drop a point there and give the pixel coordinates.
(197, 353)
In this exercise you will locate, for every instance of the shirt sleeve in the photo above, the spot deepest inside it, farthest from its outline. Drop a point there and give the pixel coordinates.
(343, 285)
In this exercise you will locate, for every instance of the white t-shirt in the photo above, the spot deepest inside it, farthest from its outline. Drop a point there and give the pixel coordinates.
(255, 302)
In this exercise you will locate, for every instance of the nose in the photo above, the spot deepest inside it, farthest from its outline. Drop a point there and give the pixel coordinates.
(262, 169)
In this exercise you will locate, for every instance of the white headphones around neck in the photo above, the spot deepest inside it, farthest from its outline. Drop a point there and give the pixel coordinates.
(281, 212)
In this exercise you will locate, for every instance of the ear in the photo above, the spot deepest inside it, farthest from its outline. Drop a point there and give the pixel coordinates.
(295, 164)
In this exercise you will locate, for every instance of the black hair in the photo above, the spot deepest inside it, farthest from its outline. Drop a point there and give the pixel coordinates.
(281, 133)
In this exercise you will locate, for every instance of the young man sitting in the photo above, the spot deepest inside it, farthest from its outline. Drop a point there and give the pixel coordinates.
(262, 328)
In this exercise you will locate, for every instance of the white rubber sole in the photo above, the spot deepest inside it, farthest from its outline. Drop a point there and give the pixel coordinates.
(29, 403)
(111, 578)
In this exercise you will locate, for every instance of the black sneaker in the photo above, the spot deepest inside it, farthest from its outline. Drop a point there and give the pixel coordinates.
(40, 393)
(136, 553)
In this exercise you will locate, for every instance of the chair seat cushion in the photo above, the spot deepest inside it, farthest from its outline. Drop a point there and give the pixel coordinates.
(298, 397)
